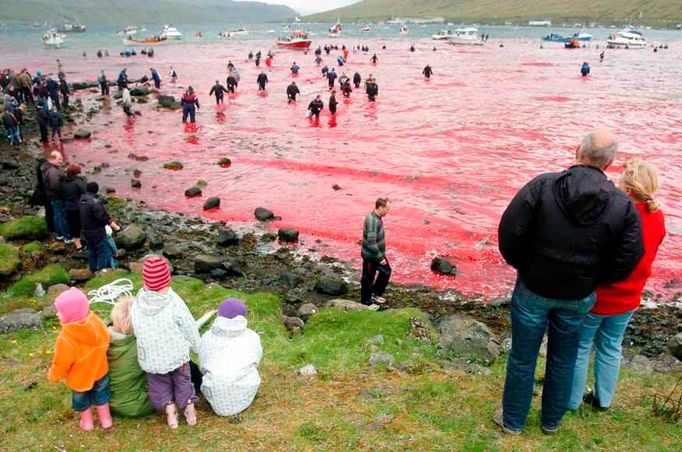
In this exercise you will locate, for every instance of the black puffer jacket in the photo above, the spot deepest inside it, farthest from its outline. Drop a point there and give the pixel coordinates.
(567, 232)
(93, 217)
(74, 187)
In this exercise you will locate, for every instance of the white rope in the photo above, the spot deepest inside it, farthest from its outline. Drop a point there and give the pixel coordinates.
(108, 293)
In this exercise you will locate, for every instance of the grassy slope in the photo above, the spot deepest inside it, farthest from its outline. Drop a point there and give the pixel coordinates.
(519, 10)
(133, 11)
(347, 407)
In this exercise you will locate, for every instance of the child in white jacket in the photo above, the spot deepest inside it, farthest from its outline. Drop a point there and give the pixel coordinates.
(165, 331)
(229, 358)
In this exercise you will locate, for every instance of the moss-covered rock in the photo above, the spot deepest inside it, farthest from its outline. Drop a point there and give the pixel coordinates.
(201, 183)
(9, 260)
(32, 248)
(173, 165)
(224, 162)
(24, 228)
(47, 276)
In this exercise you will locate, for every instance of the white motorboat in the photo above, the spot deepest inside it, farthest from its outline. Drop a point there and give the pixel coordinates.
(628, 39)
(442, 35)
(335, 31)
(404, 30)
(366, 28)
(170, 32)
(129, 31)
(52, 38)
(468, 36)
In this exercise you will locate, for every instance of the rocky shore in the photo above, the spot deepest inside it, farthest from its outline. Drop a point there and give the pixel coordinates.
(254, 259)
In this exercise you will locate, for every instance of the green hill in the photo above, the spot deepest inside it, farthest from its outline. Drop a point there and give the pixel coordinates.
(139, 11)
(653, 12)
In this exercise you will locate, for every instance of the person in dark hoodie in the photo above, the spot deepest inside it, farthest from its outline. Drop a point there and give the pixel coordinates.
(292, 92)
(53, 91)
(427, 72)
(357, 79)
(94, 217)
(262, 81)
(74, 188)
(218, 91)
(190, 103)
(42, 118)
(56, 120)
(564, 233)
(54, 191)
(333, 102)
(39, 197)
(315, 107)
(64, 90)
(585, 69)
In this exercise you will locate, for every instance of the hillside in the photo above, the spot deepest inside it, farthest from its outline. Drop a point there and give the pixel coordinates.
(654, 12)
(139, 11)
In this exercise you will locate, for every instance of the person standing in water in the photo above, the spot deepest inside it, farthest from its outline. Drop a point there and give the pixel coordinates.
(315, 107)
(172, 74)
(190, 103)
(332, 103)
(357, 79)
(262, 81)
(585, 69)
(218, 91)
(427, 72)
(292, 92)
(374, 59)
(371, 88)
(156, 77)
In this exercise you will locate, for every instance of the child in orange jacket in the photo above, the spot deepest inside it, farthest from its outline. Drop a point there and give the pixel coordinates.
(80, 357)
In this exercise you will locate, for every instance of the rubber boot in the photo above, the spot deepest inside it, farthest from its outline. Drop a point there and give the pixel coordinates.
(87, 423)
(191, 414)
(104, 416)
(172, 415)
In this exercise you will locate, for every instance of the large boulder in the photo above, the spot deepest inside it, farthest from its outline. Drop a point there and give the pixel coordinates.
(464, 336)
(263, 214)
(227, 237)
(131, 238)
(212, 203)
(9, 260)
(307, 310)
(290, 279)
(294, 325)
(232, 266)
(80, 274)
(333, 287)
(168, 102)
(205, 263)
(20, 319)
(443, 266)
(139, 91)
(82, 134)
(288, 235)
(675, 346)
(193, 192)
(345, 305)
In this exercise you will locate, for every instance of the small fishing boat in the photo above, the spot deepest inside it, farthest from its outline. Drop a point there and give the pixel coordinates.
(52, 38)
(555, 37)
(150, 41)
(466, 36)
(442, 35)
(573, 44)
(628, 39)
(68, 27)
(366, 28)
(298, 39)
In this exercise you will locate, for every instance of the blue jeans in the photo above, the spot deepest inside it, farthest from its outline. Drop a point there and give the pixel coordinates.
(606, 332)
(13, 135)
(189, 111)
(98, 395)
(531, 315)
(99, 254)
(60, 226)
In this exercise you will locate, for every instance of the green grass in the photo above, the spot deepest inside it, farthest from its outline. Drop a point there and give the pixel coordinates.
(348, 406)
(24, 228)
(32, 248)
(47, 276)
(9, 259)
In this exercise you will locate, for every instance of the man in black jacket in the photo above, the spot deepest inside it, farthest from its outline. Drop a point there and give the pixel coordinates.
(565, 233)
(94, 218)
(52, 180)
(292, 92)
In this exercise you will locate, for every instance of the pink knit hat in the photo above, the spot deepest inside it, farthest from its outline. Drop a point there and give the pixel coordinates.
(72, 305)
(156, 274)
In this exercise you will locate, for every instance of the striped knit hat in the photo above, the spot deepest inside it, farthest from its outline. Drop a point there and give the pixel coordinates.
(156, 274)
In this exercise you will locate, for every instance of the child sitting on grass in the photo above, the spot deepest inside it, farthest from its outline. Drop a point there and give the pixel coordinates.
(229, 358)
(128, 384)
(165, 331)
(80, 357)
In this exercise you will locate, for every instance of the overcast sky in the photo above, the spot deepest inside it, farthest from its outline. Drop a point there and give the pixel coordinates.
(311, 6)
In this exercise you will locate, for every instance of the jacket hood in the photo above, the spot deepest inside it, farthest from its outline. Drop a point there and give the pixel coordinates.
(85, 331)
(222, 326)
(151, 303)
(582, 193)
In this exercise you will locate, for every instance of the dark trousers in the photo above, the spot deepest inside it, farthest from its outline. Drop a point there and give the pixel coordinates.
(104, 88)
(173, 387)
(55, 101)
(370, 283)
(219, 99)
(28, 96)
(191, 112)
(261, 87)
(99, 254)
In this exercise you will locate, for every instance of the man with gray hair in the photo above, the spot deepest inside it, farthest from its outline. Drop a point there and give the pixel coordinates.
(564, 233)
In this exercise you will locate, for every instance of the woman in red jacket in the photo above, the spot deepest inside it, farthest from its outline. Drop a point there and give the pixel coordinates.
(616, 302)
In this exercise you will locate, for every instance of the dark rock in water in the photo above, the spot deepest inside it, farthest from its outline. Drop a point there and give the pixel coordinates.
(137, 173)
(109, 190)
(675, 346)
(464, 336)
(193, 192)
(294, 325)
(105, 165)
(263, 214)
(155, 244)
(80, 274)
(212, 203)
(228, 237)
(333, 287)
(336, 187)
(118, 95)
(204, 263)
(131, 238)
(225, 162)
(674, 283)
(169, 102)
(135, 183)
(233, 266)
(173, 165)
(291, 279)
(20, 319)
(442, 265)
(288, 235)
(82, 134)
(218, 273)
(139, 91)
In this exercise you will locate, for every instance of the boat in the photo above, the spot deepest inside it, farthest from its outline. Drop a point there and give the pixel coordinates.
(170, 32)
(442, 35)
(150, 41)
(68, 27)
(130, 30)
(628, 39)
(52, 38)
(466, 36)
(298, 39)
(404, 30)
(335, 31)
(556, 37)
(573, 44)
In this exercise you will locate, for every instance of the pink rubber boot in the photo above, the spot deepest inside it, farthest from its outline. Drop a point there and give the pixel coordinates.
(86, 423)
(191, 414)
(104, 416)
(172, 415)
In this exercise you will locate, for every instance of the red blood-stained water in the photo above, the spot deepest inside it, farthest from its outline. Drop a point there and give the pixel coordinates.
(450, 152)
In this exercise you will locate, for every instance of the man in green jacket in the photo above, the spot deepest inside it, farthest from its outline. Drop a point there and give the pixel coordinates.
(374, 256)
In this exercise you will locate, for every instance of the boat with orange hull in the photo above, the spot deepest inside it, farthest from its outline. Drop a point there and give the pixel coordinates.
(150, 41)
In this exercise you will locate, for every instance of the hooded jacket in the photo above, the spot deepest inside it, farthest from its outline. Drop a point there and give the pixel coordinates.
(567, 232)
(52, 179)
(93, 217)
(80, 353)
(127, 380)
(229, 358)
(165, 331)
(74, 187)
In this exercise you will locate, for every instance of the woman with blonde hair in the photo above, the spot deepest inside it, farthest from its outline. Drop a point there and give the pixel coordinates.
(616, 302)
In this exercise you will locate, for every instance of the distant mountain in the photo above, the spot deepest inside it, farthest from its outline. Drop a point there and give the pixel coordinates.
(91, 12)
(653, 12)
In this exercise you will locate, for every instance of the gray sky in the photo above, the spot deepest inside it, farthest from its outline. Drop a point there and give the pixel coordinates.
(311, 6)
